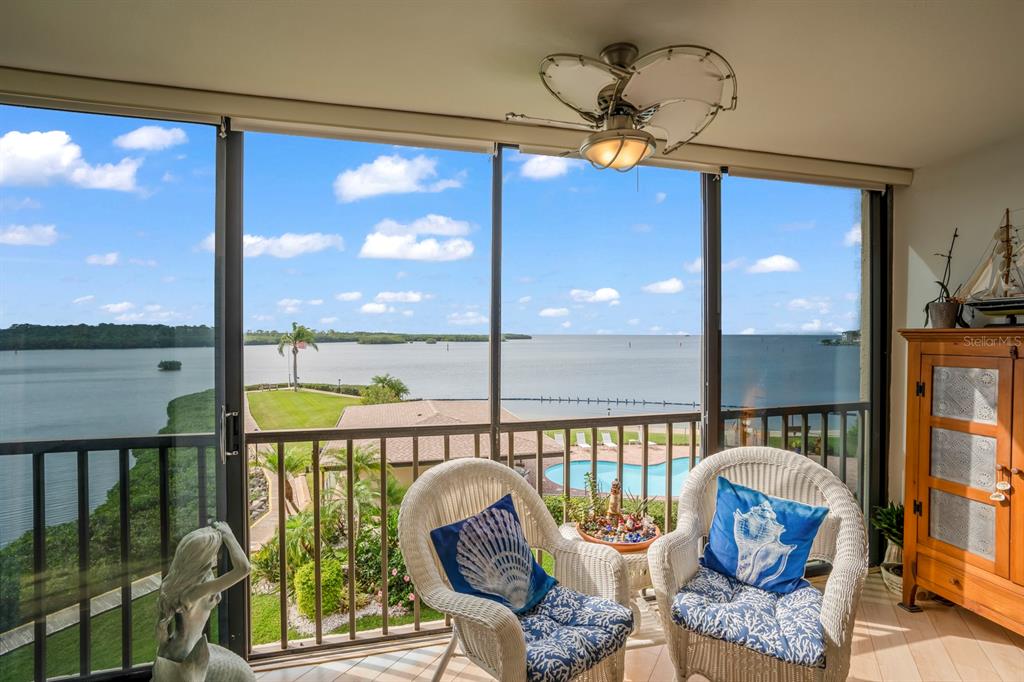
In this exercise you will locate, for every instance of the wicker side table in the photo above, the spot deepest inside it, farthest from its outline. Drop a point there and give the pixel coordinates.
(647, 626)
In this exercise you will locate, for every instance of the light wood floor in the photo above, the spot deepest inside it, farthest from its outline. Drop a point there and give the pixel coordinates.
(941, 644)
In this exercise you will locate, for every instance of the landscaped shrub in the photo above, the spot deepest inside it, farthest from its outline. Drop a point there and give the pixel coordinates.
(265, 563)
(333, 589)
(368, 563)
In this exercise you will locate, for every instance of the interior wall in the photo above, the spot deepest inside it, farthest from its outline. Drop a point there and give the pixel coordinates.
(970, 193)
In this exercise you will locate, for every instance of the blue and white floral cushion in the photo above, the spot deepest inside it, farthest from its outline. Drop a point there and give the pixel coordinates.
(568, 633)
(785, 626)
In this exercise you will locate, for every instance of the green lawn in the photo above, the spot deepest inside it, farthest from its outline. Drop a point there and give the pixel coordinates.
(283, 409)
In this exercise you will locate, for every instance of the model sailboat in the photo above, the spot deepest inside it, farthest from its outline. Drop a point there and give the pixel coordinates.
(997, 285)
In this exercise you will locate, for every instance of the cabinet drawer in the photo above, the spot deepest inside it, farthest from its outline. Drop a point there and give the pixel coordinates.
(967, 589)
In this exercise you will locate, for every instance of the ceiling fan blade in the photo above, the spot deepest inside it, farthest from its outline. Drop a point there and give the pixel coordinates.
(576, 80)
(526, 119)
(681, 72)
(680, 121)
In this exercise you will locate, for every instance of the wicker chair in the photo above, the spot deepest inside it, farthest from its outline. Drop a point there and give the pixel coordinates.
(840, 540)
(490, 634)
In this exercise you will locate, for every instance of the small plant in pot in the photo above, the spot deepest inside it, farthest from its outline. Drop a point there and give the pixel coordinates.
(943, 311)
(888, 520)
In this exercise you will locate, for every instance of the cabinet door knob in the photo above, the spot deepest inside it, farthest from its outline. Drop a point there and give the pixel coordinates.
(1002, 485)
(997, 497)
(954, 581)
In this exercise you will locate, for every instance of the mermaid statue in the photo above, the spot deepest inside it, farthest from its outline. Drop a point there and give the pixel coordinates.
(188, 594)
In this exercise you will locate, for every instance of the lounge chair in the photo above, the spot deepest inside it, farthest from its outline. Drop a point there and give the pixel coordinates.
(581, 441)
(606, 440)
(559, 439)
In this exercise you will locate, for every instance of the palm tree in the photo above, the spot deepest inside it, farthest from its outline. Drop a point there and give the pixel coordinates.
(298, 338)
(393, 384)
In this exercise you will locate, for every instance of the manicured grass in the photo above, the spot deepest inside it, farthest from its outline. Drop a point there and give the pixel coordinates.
(266, 620)
(284, 409)
(62, 647)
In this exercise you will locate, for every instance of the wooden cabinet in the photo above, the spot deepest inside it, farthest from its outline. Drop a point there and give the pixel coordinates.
(964, 524)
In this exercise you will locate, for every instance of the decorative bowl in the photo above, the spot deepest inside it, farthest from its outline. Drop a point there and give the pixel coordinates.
(622, 547)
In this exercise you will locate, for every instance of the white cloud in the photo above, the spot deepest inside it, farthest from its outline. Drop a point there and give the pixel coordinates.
(263, 318)
(776, 263)
(349, 296)
(471, 317)
(554, 312)
(315, 301)
(602, 295)
(695, 265)
(546, 167)
(851, 296)
(817, 326)
(660, 197)
(853, 236)
(408, 313)
(391, 239)
(15, 204)
(820, 304)
(288, 245)
(289, 305)
(84, 299)
(144, 262)
(38, 158)
(405, 247)
(28, 235)
(328, 320)
(168, 176)
(376, 308)
(429, 224)
(391, 175)
(633, 321)
(566, 324)
(672, 285)
(525, 299)
(733, 264)
(151, 138)
(401, 297)
(655, 329)
(103, 258)
(121, 307)
(748, 331)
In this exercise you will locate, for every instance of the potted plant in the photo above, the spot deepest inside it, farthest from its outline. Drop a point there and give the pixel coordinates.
(626, 528)
(888, 520)
(943, 311)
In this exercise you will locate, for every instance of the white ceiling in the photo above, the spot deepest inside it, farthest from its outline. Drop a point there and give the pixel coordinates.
(883, 82)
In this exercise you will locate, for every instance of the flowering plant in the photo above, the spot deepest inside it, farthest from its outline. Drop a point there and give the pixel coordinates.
(606, 519)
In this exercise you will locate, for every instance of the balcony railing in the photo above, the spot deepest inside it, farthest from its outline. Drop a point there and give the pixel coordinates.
(185, 468)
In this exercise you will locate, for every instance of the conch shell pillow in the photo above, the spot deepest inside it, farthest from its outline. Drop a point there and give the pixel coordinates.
(487, 556)
(761, 540)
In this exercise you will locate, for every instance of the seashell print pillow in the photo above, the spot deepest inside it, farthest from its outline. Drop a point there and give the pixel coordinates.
(487, 556)
(761, 540)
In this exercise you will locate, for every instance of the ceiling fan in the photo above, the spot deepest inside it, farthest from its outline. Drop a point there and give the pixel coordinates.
(674, 91)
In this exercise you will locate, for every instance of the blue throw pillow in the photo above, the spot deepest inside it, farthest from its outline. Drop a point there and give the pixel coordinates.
(487, 556)
(760, 540)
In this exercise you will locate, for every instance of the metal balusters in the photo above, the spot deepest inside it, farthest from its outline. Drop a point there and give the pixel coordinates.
(511, 449)
(447, 447)
(165, 509)
(842, 446)
(764, 430)
(620, 452)
(39, 562)
(84, 602)
(282, 554)
(804, 419)
(350, 535)
(385, 574)
(201, 482)
(693, 446)
(415, 475)
(785, 432)
(823, 443)
(124, 495)
(566, 491)
(862, 474)
(476, 445)
(318, 596)
(593, 453)
(645, 434)
(538, 484)
(669, 448)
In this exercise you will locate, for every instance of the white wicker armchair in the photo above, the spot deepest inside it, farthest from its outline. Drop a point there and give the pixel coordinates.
(840, 540)
(490, 633)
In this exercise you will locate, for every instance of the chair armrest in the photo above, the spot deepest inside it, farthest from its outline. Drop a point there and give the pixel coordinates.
(488, 630)
(839, 602)
(673, 557)
(590, 568)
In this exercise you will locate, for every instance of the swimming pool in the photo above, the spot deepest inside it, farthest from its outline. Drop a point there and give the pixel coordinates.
(631, 476)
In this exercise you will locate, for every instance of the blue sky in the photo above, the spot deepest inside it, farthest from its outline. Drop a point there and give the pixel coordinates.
(108, 219)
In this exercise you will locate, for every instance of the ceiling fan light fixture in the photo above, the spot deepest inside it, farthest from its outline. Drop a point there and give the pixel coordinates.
(618, 148)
